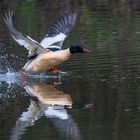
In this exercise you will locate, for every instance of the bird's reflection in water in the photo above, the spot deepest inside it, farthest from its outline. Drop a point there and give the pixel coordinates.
(49, 102)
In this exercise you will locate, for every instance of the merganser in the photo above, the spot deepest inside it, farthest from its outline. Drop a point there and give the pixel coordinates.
(47, 54)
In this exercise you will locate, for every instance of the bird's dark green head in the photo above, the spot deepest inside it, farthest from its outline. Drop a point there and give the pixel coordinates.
(78, 49)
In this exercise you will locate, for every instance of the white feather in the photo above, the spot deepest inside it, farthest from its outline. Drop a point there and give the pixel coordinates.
(51, 112)
(21, 42)
(47, 41)
(24, 43)
(54, 47)
(32, 39)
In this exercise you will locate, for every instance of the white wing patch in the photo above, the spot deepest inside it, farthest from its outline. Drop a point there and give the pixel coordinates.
(48, 41)
(53, 111)
(21, 42)
(32, 39)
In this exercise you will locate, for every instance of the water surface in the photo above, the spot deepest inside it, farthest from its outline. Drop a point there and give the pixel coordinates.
(98, 98)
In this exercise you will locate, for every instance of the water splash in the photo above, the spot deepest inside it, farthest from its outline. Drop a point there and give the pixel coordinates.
(9, 78)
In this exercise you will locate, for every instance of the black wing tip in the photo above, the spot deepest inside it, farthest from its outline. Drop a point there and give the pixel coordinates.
(7, 17)
(64, 23)
(72, 14)
(8, 14)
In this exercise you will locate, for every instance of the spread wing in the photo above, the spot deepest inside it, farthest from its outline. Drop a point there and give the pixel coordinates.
(31, 45)
(59, 31)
